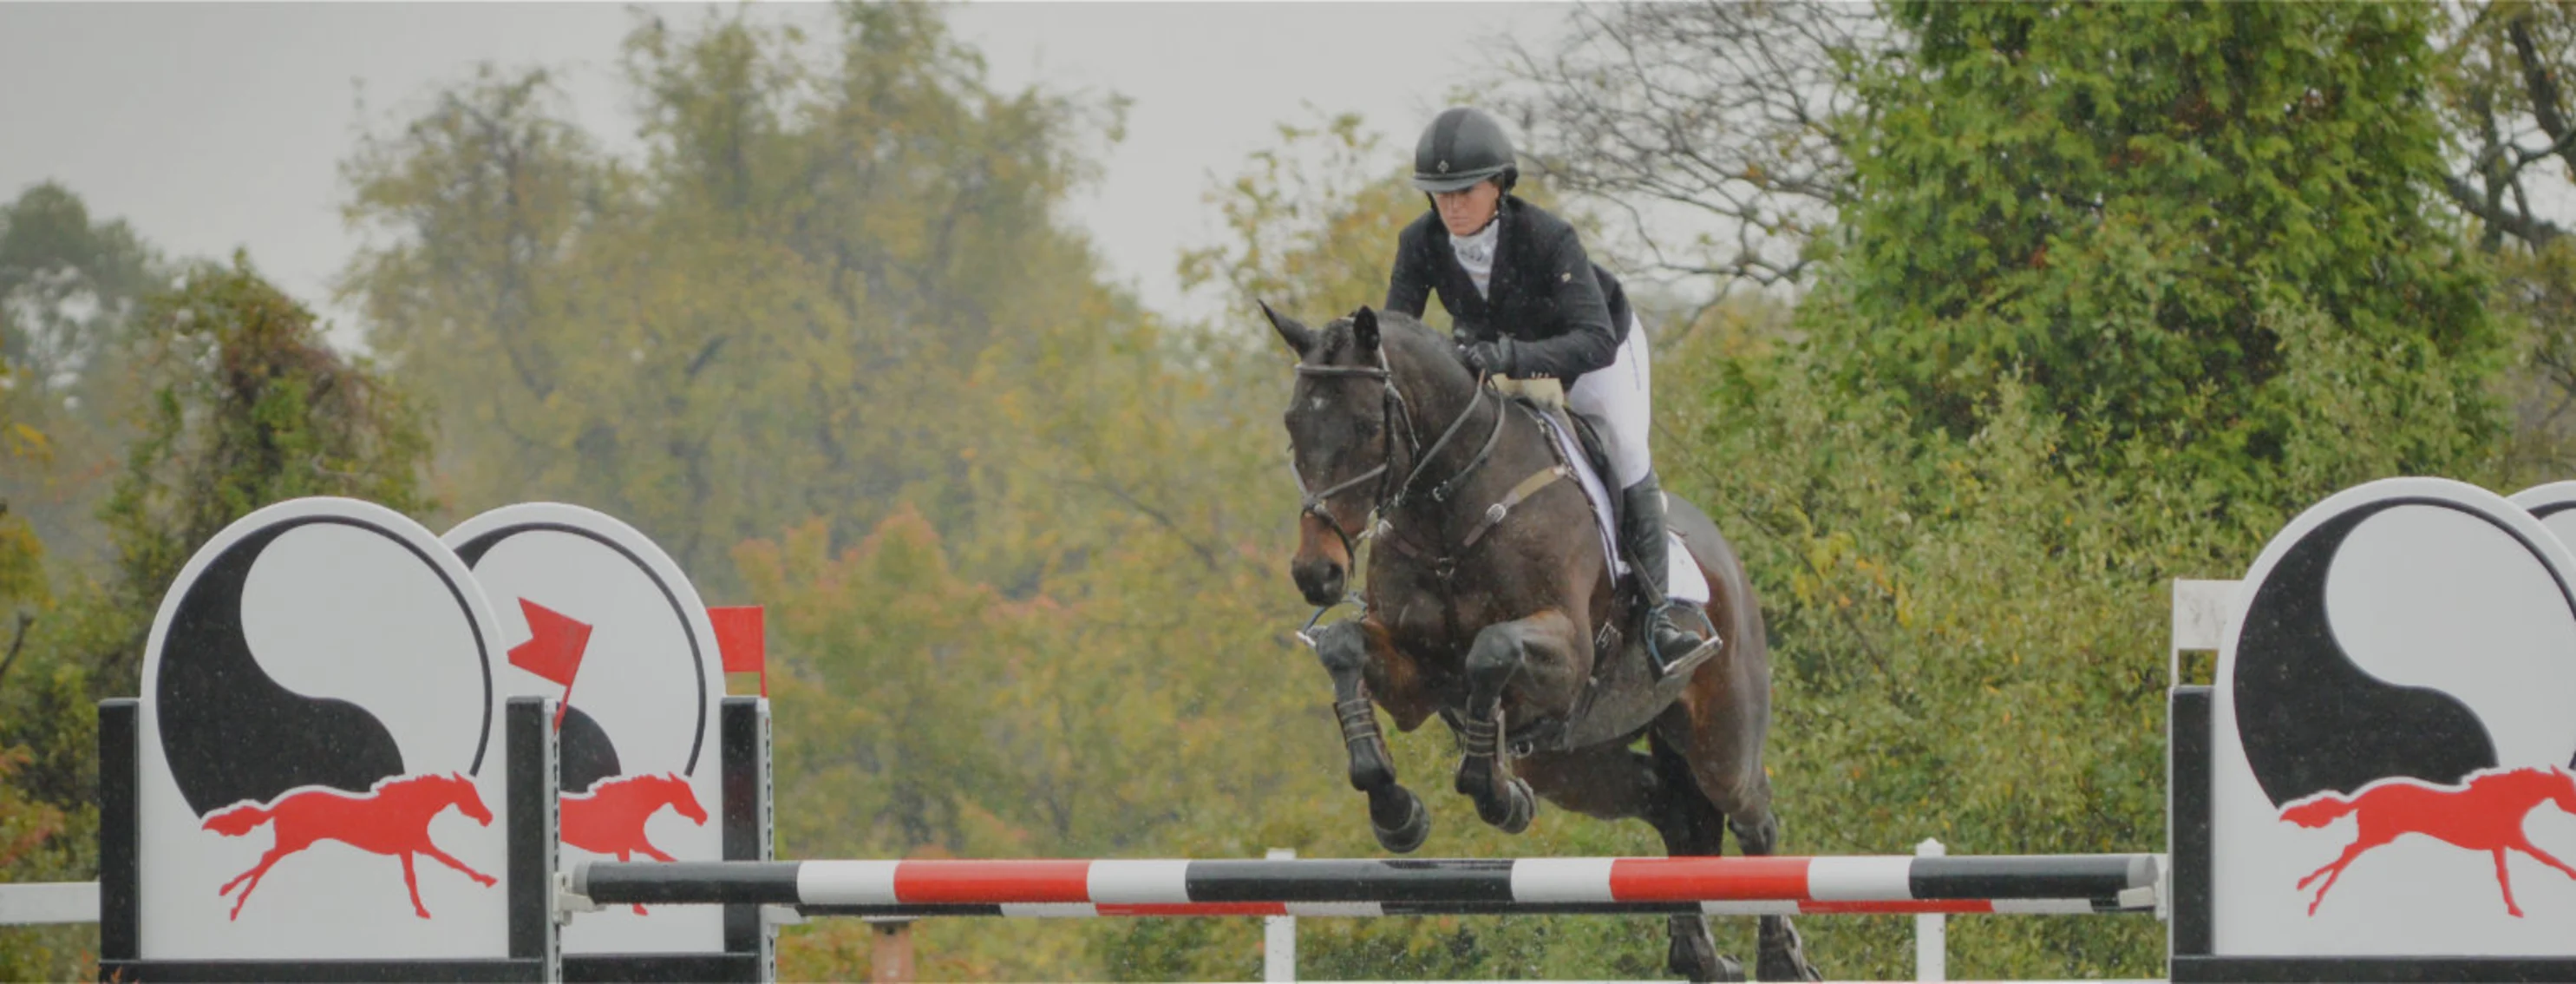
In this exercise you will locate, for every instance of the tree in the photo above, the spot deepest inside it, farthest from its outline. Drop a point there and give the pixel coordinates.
(68, 287)
(2152, 214)
(30, 829)
(66, 282)
(785, 310)
(1719, 130)
(246, 406)
(2507, 104)
(2509, 97)
(249, 406)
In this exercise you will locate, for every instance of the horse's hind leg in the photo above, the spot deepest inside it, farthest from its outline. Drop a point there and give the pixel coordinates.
(1396, 815)
(249, 880)
(1539, 650)
(1725, 762)
(411, 880)
(2504, 880)
(1690, 827)
(1779, 953)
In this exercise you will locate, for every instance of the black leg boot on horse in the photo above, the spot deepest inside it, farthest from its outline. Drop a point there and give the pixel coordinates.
(1641, 533)
(1396, 816)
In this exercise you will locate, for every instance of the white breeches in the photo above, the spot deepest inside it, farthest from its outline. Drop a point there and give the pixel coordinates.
(1615, 400)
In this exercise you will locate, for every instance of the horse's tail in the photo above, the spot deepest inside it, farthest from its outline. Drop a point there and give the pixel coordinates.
(237, 820)
(2326, 808)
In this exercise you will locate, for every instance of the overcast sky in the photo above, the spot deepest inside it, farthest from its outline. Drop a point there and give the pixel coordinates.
(216, 125)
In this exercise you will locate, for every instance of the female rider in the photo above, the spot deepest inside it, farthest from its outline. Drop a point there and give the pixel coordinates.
(1527, 302)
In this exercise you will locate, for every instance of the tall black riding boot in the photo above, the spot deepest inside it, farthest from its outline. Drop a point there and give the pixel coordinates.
(1641, 534)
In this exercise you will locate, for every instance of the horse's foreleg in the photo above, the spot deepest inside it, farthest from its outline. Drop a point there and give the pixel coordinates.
(443, 858)
(1396, 815)
(1541, 645)
(2525, 845)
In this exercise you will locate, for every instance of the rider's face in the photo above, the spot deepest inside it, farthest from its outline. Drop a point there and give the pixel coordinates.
(1466, 212)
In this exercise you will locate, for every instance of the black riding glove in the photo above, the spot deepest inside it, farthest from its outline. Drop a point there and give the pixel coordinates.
(1491, 358)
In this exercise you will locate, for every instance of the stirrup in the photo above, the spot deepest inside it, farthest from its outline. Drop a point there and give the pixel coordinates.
(1708, 644)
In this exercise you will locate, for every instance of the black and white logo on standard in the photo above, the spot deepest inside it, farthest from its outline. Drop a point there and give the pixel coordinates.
(321, 774)
(603, 619)
(2393, 730)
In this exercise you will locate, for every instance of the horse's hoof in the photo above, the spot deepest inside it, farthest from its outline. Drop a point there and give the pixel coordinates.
(1783, 956)
(1692, 954)
(1408, 834)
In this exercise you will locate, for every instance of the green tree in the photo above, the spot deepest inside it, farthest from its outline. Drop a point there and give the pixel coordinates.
(2135, 207)
(247, 406)
(787, 309)
(69, 285)
(32, 847)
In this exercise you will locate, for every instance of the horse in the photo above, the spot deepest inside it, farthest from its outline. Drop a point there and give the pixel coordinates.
(390, 818)
(1486, 592)
(609, 818)
(2486, 814)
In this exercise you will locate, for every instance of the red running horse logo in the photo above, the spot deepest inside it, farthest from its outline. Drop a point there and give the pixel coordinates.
(2484, 815)
(392, 818)
(609, 819)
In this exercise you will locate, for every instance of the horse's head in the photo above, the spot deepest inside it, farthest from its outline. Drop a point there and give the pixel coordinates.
(1343, 418)
(468, 800)
(682, 799)
(2562, 789)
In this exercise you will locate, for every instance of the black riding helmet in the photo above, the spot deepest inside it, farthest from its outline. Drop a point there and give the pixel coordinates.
(1462, 146)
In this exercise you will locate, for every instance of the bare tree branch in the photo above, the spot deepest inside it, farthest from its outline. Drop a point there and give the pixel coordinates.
(1718, 130)
(2539, 80)
(2488, 205)
(2507, 110)
(15, 644)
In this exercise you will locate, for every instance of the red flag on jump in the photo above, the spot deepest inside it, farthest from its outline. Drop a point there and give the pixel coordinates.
(554, 648)
(744, 640)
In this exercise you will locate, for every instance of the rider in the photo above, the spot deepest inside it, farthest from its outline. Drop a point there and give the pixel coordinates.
(1527, 302)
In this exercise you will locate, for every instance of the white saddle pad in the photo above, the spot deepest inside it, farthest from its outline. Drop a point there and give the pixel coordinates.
(1682, 576)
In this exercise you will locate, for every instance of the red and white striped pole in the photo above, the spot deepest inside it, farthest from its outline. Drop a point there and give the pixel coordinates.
(1899, 884)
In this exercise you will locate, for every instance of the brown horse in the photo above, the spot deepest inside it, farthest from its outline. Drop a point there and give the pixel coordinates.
(1486, 593)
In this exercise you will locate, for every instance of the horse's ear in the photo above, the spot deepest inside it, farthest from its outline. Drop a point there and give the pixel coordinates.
(1300, 338)
(1364, 328)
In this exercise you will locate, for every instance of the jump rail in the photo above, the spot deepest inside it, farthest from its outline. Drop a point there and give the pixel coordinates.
(1896, 884)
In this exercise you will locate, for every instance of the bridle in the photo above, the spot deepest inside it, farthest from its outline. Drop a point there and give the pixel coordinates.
(1382, 504)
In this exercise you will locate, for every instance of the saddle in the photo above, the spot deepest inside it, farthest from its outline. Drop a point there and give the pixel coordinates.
(1624, 694)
